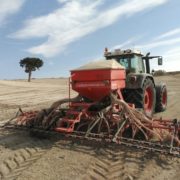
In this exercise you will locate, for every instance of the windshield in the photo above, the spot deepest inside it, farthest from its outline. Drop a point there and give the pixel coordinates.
(132, 63)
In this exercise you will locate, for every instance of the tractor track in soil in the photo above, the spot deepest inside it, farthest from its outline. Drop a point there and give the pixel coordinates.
(12, 167)
(21, 152)
(107, 162)
(109, 166)
(130, 165)
(112, 166)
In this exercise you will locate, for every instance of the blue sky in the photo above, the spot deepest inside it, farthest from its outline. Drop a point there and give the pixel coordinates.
(69, 33)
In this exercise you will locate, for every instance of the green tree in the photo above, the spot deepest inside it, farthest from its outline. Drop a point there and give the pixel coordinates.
(30, 64)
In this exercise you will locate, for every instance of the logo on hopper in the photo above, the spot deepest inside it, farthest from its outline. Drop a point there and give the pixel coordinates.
(90, 84)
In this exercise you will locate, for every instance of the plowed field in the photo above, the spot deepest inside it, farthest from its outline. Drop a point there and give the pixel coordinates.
(25, 157)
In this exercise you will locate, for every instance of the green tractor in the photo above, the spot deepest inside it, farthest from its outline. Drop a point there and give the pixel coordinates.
(141, 89)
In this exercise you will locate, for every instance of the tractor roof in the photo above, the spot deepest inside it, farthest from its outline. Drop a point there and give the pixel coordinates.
(120, 52)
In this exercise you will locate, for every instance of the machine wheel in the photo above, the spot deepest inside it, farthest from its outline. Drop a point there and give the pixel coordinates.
(161, 97)
(143, 98)
(149, 97)
(134, 96)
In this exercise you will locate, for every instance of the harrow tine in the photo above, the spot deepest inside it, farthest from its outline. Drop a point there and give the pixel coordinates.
(99, 127)
(118, 131)
(92, 126)
(20, 110)
(16, 115)
(172, 141)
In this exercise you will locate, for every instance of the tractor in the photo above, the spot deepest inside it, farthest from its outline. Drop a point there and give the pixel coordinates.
(140, 89)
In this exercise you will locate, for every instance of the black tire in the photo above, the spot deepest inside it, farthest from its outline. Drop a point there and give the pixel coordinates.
(134, 96)
(149, 84)
(161, 97)
(137, 97)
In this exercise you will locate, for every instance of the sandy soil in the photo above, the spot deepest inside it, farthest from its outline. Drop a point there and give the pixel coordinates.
(35, 95)
(25, 157)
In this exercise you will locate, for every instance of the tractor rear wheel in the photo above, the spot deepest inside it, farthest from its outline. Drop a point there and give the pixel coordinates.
(149, 97)
(143, 98)
(161, 97)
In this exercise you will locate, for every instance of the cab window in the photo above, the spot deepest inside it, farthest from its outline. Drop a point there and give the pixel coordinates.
(132, 63)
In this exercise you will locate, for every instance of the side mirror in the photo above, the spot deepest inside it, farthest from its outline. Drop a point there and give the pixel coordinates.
(160, 61)
(148, 54)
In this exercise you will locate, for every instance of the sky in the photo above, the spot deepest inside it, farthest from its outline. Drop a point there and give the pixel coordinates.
(66, 34)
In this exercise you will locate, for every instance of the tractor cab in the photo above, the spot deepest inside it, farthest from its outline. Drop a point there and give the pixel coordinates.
(132, 60)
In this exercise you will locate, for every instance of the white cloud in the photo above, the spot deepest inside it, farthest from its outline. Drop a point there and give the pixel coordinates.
(76, 19)
(169, 34)
(166, 40)
(169, 46)
(161, 43)
(130, 42)
(61, 23)
(173, 50)
(171, 59)
(9, 7)
(171, 63)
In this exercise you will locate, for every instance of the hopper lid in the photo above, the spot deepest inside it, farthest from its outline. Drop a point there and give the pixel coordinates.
(101, 64)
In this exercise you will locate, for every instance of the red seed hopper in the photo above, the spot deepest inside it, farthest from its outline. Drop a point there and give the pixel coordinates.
(98, 79)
